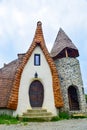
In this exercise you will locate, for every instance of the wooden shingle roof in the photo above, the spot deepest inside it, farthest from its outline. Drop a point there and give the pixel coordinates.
(18, 67)
(62, 43)
(7, 75)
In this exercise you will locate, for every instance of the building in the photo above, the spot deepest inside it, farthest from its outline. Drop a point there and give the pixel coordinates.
(42, 80)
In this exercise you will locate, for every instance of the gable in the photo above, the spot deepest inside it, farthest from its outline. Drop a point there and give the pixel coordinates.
(37, 41)
(44, 75)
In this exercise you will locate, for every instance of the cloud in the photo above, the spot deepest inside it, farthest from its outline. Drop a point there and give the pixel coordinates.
(18, 22)
(17, 18)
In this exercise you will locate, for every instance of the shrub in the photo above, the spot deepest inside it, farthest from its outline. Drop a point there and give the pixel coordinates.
(7, 119)
(64, 115)
(55, 118)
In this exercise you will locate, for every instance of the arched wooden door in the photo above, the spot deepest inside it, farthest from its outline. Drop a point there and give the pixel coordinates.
(36, 94)
(73, 98)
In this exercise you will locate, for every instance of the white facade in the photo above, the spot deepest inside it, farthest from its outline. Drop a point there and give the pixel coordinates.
(44, 76)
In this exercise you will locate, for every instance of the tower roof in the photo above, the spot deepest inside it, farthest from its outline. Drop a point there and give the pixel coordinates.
(61, 43)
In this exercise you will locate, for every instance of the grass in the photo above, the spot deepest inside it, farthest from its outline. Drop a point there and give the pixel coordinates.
(55, 118)
(62, 116)
(32, 120)
(6, 119)
(65, 115)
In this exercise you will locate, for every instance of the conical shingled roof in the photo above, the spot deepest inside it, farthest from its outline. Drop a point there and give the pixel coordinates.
(61, 43)
(37, 41)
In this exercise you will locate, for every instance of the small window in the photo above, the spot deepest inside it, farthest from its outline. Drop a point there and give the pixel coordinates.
(37, 59)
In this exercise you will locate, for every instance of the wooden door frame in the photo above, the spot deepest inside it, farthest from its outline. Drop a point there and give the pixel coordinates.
(41, 94)
(70, 98)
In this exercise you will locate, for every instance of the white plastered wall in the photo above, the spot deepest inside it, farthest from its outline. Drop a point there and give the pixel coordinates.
(44, 75)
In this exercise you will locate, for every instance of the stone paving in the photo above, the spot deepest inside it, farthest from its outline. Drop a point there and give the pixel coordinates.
(74, 124)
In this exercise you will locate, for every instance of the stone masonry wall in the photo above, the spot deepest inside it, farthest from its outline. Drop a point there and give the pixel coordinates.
(70, 74)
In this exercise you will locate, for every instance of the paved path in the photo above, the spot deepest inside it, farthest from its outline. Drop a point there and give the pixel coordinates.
(74, 124)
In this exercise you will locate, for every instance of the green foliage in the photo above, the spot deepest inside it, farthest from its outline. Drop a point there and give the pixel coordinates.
(32, 120)
(6, 119)
(64, 115)
(55, 118)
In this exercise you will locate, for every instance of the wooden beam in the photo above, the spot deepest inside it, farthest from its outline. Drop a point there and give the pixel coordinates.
(66, 53)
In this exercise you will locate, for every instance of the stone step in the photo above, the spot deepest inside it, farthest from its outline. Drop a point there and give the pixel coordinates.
(79, 115)
(37, 114)
(36, 110)
(46, 118)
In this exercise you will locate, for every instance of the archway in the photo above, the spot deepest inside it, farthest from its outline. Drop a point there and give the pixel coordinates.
(36, 94)
(73, 98)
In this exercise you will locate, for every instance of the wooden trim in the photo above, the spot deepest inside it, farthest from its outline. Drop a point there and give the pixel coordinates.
(66, 53)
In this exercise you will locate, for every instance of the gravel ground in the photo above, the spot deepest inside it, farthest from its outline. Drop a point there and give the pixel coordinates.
(74, 124)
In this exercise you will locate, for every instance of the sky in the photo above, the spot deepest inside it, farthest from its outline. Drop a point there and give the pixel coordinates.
(18, 20)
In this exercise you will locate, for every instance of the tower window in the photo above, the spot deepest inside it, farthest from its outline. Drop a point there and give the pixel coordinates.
(37, 59)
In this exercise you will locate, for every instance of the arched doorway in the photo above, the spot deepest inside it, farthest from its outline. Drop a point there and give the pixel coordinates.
(73, 98)
(36, 94)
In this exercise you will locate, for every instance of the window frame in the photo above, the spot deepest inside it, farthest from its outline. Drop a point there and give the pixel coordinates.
(37, 62)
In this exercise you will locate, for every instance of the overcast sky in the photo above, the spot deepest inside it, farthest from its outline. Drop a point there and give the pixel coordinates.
(18, 19)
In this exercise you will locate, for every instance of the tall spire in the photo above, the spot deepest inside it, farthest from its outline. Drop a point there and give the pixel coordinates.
(38, 37)
(63, 46)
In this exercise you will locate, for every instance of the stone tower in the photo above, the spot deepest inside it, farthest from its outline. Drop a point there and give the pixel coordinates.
(64, 54)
